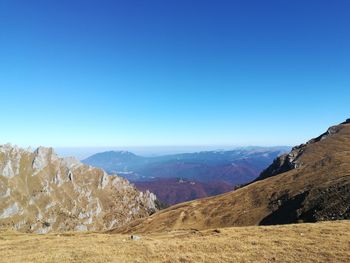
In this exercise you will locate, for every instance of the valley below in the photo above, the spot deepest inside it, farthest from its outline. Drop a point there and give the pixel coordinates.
(316, 242)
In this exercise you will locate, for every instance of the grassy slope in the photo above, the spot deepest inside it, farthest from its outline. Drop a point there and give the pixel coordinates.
(319, 242)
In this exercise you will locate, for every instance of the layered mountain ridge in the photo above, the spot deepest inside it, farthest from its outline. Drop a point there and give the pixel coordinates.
(208, 173)
(40, 192)
(234, 167)
(310, 184)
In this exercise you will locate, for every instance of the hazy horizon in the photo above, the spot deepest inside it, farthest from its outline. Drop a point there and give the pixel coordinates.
(84, 152)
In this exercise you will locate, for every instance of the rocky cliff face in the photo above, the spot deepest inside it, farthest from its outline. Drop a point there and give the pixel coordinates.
(295, 159)
(40, 192)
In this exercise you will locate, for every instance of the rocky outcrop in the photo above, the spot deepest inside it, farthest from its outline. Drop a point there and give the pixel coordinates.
(346, 122)
(40, 192)
(287, 162)
(283, 163)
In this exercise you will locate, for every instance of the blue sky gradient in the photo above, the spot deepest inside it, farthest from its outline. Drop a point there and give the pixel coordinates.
(152, 73)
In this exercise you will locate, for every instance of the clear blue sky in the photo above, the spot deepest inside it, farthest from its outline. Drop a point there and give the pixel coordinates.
(137, 73)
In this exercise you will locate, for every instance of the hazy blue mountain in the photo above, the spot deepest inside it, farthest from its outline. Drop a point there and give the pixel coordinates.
(234, 167)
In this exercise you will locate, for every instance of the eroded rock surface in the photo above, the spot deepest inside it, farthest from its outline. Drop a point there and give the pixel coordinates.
(40, 192)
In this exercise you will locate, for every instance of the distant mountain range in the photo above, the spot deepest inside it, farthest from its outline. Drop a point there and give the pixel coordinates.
(211, 172)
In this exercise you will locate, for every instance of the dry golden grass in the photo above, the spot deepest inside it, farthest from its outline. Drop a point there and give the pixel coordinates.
(319, 242)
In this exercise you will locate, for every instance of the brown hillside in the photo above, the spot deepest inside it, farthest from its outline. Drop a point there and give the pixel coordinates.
(315, 188)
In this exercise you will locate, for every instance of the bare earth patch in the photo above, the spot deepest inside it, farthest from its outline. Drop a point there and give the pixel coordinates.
(319, 242)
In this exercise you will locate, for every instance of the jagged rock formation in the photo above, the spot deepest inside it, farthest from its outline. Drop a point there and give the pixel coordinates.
(310, 184)
(40, 192)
